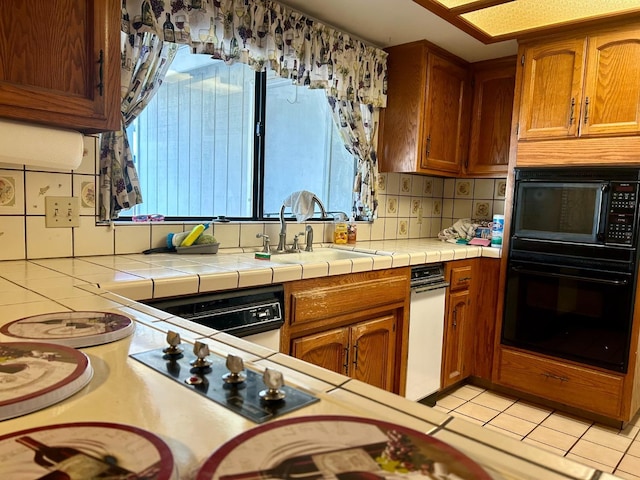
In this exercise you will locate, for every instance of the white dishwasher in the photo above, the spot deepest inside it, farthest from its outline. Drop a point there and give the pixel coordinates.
(426, 331)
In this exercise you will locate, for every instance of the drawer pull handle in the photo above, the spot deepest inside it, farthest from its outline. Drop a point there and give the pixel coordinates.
(346, 361)
(555, 377)
(355, 356)
(100, 62)
(464, 279)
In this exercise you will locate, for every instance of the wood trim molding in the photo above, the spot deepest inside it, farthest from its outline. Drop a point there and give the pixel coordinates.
(579, 151)
(454, 17)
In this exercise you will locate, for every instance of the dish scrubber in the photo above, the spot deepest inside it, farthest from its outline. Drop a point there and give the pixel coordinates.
(262, 256)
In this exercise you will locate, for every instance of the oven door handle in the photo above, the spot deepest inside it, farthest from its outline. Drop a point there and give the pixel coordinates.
(602, 217)
(603, 281)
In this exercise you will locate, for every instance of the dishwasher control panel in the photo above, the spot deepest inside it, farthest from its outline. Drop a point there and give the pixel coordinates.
(428, 275)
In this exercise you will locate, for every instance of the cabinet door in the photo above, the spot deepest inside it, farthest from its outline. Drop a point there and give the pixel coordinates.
(446, 113)
(328, 349)
(59, 63)
(612, 89)
(373, 351)
(456, 352)
(552, 89)
(493, 91)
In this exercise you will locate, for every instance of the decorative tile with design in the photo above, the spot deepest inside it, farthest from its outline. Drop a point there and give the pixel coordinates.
(7, 191)
(11, 192)
(405, 184)
(501, 188)
(428, 186)
(463, 188)
(392, 205)
(415, 206)
(403, 228)
(382, 182)
(437, 208)
(88, 194)
(482, 210)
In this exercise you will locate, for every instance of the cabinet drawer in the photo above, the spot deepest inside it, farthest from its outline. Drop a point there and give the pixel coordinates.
(579, 387)
(460, 277)
(308, 305)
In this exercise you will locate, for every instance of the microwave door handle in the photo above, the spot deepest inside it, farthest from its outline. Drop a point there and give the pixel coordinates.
(604, 188)
(603, 281)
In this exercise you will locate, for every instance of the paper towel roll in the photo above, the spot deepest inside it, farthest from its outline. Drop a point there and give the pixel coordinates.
(35, 145)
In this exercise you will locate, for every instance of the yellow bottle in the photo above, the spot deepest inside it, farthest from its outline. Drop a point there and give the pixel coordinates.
(340, 233)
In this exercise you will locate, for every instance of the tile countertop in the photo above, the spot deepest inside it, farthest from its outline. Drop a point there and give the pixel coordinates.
(142, 277)
(125, 391)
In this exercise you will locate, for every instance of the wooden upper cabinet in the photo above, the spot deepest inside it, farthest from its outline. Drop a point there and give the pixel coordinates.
(446, 112)
(493, 93)
(552, 89)
(582, 87)
(425, 124)
(60, 63)
(612, 86)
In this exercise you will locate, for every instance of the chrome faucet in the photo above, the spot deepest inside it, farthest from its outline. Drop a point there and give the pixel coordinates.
(282, 238)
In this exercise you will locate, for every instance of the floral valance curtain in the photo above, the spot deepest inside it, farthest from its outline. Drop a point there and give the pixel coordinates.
(257, 32)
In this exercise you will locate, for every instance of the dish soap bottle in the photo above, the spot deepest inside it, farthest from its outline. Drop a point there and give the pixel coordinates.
(340, 233)
(352, 231)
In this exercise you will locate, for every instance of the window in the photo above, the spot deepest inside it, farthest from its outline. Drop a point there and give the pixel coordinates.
(197, 154)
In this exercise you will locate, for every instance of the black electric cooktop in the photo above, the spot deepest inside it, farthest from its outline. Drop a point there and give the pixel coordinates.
(241, 398)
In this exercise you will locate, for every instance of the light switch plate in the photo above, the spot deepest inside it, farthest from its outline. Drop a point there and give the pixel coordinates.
(62, 212)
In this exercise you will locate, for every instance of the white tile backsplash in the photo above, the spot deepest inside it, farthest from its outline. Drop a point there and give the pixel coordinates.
(44, 184)
(45, 242)
(12, 235)
(400, 198)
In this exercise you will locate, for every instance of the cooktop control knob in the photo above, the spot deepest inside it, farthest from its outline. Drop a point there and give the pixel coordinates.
(201, 351)
(235, 365)
(273, 379)
(173, 350)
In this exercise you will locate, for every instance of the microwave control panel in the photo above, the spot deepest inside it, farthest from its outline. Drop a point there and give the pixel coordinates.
(622, 213)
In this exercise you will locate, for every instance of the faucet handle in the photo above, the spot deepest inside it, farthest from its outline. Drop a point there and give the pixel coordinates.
(296, 247)
(265, 243)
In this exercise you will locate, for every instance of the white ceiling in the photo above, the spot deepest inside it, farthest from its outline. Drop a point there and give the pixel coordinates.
(392, 22)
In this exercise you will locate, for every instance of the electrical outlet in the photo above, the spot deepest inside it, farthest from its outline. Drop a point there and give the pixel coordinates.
(61, 212)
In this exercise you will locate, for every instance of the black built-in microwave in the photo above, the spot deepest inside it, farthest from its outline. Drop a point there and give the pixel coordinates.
(593, 206)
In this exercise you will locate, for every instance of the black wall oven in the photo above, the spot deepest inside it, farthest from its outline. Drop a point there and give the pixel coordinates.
(572, 264)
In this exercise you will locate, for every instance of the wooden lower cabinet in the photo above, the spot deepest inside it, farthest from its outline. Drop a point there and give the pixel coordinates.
(585, 388)
(458, 346)
(351, 324)
(364, 351)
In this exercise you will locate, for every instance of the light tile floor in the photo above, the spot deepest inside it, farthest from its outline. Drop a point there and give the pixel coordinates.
(608, 449)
